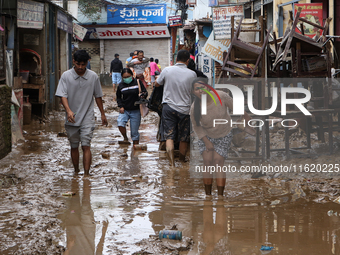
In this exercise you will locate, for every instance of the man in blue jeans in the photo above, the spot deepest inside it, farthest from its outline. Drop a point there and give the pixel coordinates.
(127, 95)
(115, 70)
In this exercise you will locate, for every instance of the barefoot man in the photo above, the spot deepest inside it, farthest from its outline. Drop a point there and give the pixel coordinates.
(78, 88)
(176, 104)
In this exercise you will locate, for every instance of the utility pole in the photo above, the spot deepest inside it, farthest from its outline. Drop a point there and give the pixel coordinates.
(65, 5)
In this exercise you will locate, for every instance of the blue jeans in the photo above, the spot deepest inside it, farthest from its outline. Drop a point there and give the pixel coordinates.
(134, 116)
(116, 78)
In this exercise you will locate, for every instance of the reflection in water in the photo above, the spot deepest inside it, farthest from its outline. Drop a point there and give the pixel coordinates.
(80, 224)
(214, 227)
(224, 227)
(129, 165)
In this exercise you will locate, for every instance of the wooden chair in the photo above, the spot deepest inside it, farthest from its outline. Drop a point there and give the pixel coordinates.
(306, 44)
(244, 52)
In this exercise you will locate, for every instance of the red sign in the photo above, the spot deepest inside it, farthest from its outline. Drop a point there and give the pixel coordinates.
(129, 32)
(312, 13)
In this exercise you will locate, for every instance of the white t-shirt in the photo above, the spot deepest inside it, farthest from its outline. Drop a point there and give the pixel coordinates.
(177, 81)
(80, 92)
(139, 68)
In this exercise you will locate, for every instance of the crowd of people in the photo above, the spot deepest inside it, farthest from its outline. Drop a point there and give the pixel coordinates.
(79, 87)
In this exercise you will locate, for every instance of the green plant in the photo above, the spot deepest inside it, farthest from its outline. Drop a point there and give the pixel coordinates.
(91, 8)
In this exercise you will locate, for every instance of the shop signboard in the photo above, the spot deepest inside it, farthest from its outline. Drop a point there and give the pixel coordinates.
(30, 14)
(62, 22)
(215, 48)
(136, 14)
(207, 66)
(128, 32)
(212, 3)
(222, 20)
(79, 31)
(312, 13)
(223, 2)
(175, 21)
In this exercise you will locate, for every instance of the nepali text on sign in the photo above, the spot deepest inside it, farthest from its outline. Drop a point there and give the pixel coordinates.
(222, 20)
(215, 48)
(30, 14)
(136, 14)
(129, 32)
(313, 13)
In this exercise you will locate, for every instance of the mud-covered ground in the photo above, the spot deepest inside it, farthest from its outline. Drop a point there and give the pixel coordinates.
(132, 195)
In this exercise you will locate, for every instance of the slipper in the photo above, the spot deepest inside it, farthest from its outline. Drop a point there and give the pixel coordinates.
(124, 142)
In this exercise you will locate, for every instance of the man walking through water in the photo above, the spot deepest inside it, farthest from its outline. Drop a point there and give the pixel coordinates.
(77, 89)
(176, 102)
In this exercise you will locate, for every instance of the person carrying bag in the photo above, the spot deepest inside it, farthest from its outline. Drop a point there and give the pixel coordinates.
(155, 100)
(144, 110)
(130, 99)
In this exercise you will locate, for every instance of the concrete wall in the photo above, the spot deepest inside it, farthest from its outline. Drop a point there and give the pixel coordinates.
(73, 8)
(201, 10)
(5, 121)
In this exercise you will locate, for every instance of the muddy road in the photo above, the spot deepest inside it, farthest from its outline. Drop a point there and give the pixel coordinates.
(132, 195)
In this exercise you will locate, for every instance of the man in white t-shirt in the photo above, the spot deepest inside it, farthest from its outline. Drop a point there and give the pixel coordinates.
(139, 64)
(78, 88)
(176, 102)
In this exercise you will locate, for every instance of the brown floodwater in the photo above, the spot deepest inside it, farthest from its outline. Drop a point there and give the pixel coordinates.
(132, 195)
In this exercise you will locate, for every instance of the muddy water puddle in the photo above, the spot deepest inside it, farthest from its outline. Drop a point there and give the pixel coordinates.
(132, 195)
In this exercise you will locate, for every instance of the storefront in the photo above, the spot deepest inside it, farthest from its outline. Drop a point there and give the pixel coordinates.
(31, 37)
(108, 40)
(128, 28)
(158, 48)
(44, 39)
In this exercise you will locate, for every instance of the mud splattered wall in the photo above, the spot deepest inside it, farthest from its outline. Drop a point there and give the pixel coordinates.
(5, 121)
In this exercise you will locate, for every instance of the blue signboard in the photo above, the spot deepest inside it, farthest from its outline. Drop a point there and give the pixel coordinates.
(212, 3)
(136, 14)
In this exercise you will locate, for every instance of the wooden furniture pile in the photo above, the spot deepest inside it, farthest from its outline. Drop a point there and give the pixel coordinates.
(293, 56)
